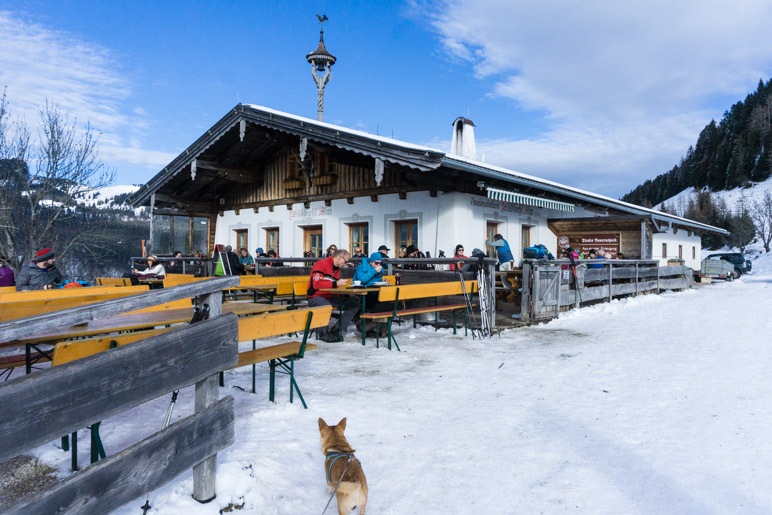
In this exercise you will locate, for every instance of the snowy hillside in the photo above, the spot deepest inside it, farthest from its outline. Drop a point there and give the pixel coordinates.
(108, 197)
(730, 197)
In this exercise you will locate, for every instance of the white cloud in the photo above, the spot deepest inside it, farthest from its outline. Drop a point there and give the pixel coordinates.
(625, 85)
(83, 79)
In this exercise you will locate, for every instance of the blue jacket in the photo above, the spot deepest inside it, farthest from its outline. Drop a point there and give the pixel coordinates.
(366, 273)
(502, 249)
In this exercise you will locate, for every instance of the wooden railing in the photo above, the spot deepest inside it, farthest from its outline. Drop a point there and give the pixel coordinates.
(550, 287)
(45, 405)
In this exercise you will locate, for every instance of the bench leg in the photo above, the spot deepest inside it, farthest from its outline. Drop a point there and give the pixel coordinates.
(74, 451)
(390, 336)
(272, 380)
(97, 449)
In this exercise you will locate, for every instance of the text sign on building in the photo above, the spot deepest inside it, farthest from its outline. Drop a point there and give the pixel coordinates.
(602, 243)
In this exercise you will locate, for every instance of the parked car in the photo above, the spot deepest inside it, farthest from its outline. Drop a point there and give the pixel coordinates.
(741, 264)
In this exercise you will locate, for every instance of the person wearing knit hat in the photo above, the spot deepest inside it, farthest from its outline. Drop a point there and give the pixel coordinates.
(41, 273)
(154, 270)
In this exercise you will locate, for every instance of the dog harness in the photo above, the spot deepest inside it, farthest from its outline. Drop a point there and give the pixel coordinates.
(334, 456)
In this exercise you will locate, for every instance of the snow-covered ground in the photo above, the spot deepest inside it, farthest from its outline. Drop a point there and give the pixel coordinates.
(656, 404)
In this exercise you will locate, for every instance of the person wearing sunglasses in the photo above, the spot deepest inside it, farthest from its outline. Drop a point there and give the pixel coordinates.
(370, 270)
(459, 253)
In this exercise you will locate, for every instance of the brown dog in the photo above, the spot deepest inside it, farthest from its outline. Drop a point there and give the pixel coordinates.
(341, 466)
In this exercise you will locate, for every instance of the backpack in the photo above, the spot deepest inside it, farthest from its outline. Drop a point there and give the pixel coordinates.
(537, 252)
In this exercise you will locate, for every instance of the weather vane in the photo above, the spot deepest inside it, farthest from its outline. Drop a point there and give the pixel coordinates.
(323, 18)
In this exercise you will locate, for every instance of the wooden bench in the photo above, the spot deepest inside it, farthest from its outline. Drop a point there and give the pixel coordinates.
(412, 292)
(281, 356)
(177, 279)
(299, 294)
(284, 286)
(113, 281)
(7, 289)
(11, 361)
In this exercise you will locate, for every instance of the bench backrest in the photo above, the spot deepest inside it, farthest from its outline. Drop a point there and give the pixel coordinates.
(64, 352)
(46, 301)
(300, 289)
(177, 279)
(282, 322)
(113, 281)
(425, 290)
(257, 280)
(175, 304)
(63, 293)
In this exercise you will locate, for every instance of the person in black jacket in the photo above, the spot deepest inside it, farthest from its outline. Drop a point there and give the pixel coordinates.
(232, 265)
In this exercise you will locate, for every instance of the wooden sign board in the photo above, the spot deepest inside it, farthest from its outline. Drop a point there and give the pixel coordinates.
(582, 243)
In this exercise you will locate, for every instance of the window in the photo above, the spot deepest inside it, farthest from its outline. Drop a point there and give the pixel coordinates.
(312, 240)
(525, 236)
(664, 250)
(272, 240)
(680, 252)
(694, 252)
(242, 239)
(359, 236)
(406, 233)
(183, 233)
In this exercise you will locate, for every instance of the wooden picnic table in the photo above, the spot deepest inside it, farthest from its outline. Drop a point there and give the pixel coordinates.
(123, 323)
(259, 291)
(359, 291)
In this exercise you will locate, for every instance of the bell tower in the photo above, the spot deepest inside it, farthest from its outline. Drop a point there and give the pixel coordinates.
(321, 62)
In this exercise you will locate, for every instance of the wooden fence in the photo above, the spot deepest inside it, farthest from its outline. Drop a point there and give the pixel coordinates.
(43, 406)
(550, 287)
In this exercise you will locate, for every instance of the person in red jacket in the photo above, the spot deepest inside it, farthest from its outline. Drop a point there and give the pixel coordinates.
(326, 274)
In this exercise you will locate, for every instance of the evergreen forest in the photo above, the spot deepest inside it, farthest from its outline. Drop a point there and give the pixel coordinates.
(729, 154)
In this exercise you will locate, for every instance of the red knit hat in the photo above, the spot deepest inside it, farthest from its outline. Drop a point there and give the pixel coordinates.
(44, 255)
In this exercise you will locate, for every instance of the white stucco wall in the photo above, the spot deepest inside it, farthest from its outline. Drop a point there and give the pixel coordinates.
(690, 244)
(443, 221)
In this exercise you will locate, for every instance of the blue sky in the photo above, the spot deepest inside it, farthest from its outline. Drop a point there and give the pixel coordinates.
(597, 95)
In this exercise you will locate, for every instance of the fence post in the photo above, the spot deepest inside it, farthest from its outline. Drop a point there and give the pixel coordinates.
(525, 293)
(491, 276)
(207, 393)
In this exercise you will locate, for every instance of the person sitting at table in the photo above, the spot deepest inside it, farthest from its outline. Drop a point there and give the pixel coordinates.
(41, 273)
(272, 254)
(7, 277)
(175, 266)
(459, 254)
(245, 259)
(154, 270)
(370, 270)
(325, 274)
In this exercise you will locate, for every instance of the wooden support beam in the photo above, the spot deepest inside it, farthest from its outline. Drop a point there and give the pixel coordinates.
(184, 203)
(231, 173)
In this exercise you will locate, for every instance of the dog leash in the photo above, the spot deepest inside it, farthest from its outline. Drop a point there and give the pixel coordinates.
(335, 457)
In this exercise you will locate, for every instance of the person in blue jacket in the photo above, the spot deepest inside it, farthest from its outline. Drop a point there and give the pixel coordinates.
(506, 260)
(370, 270)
